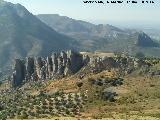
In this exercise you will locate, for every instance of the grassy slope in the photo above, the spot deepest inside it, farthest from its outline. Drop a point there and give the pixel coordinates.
(138, 97)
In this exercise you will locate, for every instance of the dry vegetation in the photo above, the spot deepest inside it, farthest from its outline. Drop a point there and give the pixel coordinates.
(138, 97)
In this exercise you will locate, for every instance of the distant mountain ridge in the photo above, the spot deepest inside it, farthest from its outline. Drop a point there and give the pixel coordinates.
(102, 37)
(22, 34)
(70, 26)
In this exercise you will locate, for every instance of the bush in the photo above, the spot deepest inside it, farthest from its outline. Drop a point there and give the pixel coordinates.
(139, 55)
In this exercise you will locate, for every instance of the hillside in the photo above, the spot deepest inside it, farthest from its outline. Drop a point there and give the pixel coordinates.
(22, 34)
(102, 37)
(118, 87)
(154, 33)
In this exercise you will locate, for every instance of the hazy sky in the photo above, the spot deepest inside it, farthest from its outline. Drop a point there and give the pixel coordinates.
(148, 14)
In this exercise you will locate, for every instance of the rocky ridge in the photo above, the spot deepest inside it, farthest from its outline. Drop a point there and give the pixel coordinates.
(39, 68)
(67, 63)
(92, 37)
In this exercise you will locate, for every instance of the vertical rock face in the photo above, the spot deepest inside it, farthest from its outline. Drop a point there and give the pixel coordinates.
(55, 62)
(86, 59)
(29, 67)
(61, 64)
(64, 57)
(98, 64)
(103, 63)
(68, 68)
(109, 62)
(76, 60)
(49, 67)
(19, 73)
(39, 65)
(43, 73)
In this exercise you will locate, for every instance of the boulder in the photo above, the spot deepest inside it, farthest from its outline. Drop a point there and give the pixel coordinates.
(109, 94)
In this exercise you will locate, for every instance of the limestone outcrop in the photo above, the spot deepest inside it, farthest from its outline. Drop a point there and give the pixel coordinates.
(58, 64)
(67, 63)
(19, 73)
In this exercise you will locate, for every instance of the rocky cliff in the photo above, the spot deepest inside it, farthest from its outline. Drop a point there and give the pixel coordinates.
(67, 63)
(57, 65)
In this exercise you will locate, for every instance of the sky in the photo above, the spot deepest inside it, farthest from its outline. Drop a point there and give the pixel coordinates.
(124, 14)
